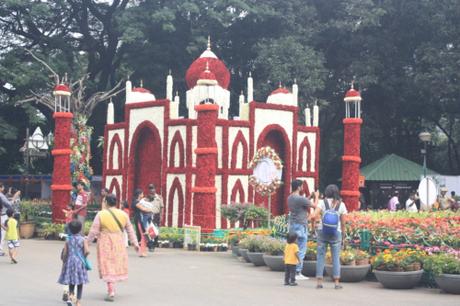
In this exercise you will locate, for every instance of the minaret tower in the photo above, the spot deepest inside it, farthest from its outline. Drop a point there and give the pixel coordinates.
(351, 146)
(61, 182)
(204, 191)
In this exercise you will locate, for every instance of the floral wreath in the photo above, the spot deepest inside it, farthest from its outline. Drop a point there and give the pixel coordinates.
(262, 188)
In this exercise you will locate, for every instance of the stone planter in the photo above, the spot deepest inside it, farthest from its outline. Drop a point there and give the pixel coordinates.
(244, 254)
(449, 283)
(256, 258)
(27, 229)
(235, 250)
(398, 280)
(350, 274)
(275, 263)
(309, 268)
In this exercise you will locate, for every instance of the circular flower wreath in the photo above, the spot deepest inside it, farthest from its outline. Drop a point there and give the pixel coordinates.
(262, 188)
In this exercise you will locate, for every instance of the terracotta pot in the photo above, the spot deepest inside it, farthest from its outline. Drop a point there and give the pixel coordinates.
(398, 280)
(27, 229)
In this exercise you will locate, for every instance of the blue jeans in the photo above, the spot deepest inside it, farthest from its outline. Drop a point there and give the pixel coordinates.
(302, 237)
(335, 241)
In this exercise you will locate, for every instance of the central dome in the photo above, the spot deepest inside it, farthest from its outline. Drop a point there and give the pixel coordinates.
(215, 65)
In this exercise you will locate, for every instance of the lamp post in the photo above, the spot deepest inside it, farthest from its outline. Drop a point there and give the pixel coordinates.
(425, 137)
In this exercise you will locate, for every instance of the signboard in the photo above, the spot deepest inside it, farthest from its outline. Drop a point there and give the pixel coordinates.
(266, 171)
(428, 193)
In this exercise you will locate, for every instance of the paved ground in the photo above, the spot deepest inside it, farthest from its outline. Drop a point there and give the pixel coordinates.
(176, 277)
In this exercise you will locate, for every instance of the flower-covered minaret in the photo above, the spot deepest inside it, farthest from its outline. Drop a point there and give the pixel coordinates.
(204, 191)
(352, 142)
(61, 181)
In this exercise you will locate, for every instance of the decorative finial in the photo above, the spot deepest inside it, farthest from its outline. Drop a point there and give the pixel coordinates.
(169, 72)
(142, 83)
(110, 101)
(209, 42)
(316, 102)
(127, 77)
(279, 85)
(177, 92)
(295, 80)
(241, 92)
(353, 83)
(250, 74)
(65, 77)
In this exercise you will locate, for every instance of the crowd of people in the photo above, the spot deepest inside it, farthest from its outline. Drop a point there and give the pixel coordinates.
(444, 201)
(112, 229)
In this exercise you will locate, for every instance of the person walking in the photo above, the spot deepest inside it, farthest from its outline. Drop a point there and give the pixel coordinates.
(81, 203)
(5, 205)
(112, 255)
(157, 206)
(298, 221)
(393, 203)
(291, 259)
(73, 272)
(11, 236)
(331, 232)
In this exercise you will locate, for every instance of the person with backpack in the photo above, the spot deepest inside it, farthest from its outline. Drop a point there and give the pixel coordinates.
(331, 232)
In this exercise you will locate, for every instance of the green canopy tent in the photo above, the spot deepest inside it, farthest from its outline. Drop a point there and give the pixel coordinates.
(389, 174)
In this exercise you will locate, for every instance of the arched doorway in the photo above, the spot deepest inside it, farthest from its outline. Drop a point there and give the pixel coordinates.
(275, 137)
(145, 159)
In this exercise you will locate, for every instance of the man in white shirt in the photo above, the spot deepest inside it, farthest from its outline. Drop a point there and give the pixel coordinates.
(410, 203)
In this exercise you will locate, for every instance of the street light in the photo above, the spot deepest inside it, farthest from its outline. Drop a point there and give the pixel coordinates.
(425, 137)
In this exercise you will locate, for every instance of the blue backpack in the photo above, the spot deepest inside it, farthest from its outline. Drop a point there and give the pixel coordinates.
(331, 219)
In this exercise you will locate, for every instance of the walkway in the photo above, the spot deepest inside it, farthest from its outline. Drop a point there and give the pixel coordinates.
(181, 278)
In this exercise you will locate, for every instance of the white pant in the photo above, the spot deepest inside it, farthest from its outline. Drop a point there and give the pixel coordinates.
(3, 220)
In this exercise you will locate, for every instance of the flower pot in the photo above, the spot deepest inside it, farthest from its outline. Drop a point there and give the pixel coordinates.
(398, 280)
(362, 262)
(449, 283)
(27, 229)
(244, 254)
(191, 247)
(350, 273)
(274, 262)
(235, 250)
(256, 258)
(309, 268)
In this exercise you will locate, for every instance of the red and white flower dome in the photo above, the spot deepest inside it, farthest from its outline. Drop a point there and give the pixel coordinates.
(281, 95)
(352, 95)
(61, 90)
(193, 74)
(138, 94)
(207, 77)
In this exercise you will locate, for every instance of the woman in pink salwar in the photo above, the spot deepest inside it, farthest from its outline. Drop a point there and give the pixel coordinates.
(112, 256)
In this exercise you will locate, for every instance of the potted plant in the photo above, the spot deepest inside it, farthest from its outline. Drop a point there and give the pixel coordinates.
(446, 271)
(256, 251)
(274, 254)
(233, 240)
(244, 245)
(399, 269)
(309, 263)
(27, 224)
(350, 271)
(361, 257)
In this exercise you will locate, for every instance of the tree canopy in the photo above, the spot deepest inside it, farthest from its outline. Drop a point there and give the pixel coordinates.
(403, 55)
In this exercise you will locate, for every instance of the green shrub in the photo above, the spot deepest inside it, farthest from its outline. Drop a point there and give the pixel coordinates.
(442, 264)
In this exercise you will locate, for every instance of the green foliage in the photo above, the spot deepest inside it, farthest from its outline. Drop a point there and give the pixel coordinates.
(244, 213)
(442, 264)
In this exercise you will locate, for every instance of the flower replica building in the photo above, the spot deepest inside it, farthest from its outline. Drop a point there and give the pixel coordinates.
(201, 162)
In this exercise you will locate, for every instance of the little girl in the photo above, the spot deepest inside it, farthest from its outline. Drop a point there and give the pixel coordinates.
(73, 269)
(291, 259)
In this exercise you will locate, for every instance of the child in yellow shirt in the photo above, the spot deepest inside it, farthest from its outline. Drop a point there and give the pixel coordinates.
(11, 236)
(291, 259)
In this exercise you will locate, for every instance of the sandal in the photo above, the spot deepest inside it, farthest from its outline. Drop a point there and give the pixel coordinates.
(319, 286)
(338, 287)
(109, 298)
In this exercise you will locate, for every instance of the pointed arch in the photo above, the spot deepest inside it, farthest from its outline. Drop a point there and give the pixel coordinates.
(176, 189)
(237, 194)
(239, 141)
(304, 145)
(115, 189)
(115, 146)
(177, 143)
